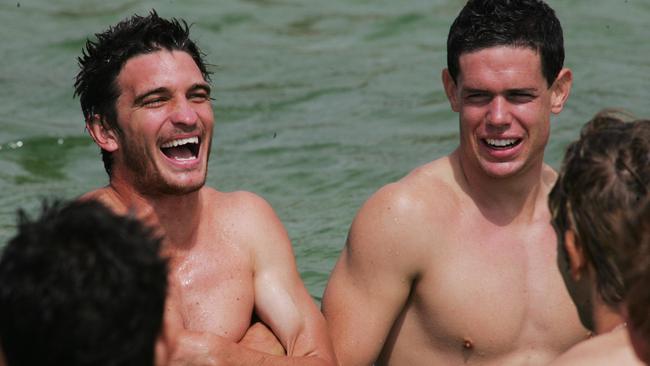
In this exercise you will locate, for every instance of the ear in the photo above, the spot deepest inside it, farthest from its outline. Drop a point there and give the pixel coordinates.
(561, 90)
(577, 260)
(450, 89)
(104, 136)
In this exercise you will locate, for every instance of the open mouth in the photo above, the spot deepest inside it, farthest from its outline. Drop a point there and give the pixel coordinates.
(501, 144)
(181, 149)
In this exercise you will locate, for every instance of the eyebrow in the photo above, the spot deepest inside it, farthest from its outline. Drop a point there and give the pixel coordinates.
(162, 90)
(201, 86)
(523, 90)
(514, 90)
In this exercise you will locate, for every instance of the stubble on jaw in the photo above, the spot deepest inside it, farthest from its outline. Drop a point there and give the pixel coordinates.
(145, 177)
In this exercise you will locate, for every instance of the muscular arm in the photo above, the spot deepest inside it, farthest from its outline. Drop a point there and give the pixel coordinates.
(281, 300)
(371, 282)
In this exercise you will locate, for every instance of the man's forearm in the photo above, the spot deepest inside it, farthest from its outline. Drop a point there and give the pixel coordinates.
(206, 349)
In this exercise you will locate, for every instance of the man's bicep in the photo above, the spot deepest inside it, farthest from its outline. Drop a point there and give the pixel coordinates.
(284, 304)
(281, 299)
(364, 296)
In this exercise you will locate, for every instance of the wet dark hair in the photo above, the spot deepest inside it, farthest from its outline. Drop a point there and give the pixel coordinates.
(81, 286)
(103, 59)
(605, 174)
(515, 23)
(635, 232)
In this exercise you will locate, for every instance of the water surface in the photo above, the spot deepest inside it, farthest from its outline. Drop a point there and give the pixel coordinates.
(318, 103)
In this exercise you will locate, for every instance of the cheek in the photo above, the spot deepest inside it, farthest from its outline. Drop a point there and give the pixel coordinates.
(534, 118)
(206, 114)
(471, 117)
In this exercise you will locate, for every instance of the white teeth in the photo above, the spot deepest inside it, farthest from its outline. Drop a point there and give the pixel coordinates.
(179, 142)
(500, 143)
(185, 159)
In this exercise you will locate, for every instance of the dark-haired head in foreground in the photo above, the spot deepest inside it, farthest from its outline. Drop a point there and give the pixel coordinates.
(80, 285)
(604, 176)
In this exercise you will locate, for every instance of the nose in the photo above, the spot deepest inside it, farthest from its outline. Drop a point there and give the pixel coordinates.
(184, 113)
(498, 113)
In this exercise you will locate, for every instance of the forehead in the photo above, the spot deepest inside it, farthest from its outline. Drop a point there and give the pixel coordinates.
(503, 66)
(170, 69)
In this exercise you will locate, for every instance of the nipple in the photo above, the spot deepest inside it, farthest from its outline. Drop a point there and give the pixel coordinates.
(468, 349)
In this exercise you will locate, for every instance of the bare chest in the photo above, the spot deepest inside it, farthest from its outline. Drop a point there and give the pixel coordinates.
(493, 294)
(213, 291)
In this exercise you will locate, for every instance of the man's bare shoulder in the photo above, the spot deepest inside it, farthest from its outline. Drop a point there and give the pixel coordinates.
(243, 204)
(246, 215)
(108, 197)
(406, 216)
(427, 190)
(606, 349)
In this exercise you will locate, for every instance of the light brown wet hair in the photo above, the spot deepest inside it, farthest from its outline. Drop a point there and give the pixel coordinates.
(605, 174)
(635, 256)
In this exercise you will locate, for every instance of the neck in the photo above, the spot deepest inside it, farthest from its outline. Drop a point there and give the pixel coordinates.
(504, 199)
(179, 217)
(606, 318)
(175, 216)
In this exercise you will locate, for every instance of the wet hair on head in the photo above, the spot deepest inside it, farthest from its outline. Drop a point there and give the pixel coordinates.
(635, 253)
(513, 23)
(102, 60)
(604, 175)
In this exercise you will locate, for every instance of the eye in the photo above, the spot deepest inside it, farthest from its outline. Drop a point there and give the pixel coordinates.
(521, 97)
(154, 102)
(477, 98)
(199, 97)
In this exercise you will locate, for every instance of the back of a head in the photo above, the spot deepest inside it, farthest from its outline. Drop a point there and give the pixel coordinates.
(514, 23)
(605, 174)
(81, 286)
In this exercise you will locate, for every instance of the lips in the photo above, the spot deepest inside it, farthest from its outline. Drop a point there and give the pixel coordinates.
(182, 149)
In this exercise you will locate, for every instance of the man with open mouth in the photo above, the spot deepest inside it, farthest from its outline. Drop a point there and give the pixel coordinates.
(455, 263)
(145, 95)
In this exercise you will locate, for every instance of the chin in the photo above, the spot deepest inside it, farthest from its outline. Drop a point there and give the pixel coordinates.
(501, 170)
(183, 187)
(181, 190)
(173, 185)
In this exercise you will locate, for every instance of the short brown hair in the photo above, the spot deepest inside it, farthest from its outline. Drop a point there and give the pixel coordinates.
(635, 255)
(605, 174)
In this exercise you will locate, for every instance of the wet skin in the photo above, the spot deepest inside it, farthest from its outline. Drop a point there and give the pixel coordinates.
(229, 254)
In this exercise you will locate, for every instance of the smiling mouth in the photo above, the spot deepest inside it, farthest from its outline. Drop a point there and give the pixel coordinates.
(501, 144)
(181, 149)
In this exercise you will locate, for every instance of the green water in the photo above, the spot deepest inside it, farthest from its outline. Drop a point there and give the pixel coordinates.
(318, 103)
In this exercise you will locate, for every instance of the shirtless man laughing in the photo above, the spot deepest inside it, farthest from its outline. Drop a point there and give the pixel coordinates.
(145, 96)
(455, 263)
